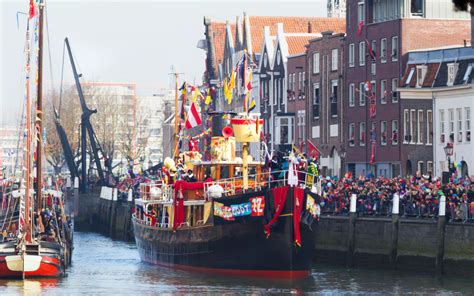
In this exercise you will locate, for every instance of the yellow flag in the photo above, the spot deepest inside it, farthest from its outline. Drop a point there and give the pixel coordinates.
(208, 99)
(195, 95)
(232, 80)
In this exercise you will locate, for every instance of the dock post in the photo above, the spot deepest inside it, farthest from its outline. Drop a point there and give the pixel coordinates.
(352, 224)
(440, 236)
(395, 227)
(76, 197)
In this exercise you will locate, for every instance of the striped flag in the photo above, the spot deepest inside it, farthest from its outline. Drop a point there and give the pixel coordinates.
(194, 119)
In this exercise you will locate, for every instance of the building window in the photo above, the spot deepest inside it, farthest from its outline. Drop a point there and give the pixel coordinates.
(412, 126)
(383, 91)
(362, 94)
(460, 132)
(351, 55)
(373, 50)
(351, 134)
(361, 12)
(394, 132)
(300, 84)
(468, 73)
(301, 125)
(429, 127)
(362, 133)
(351, 95)
(316, 100)
(394, 90)
(420, 127)
(442, 126)
(429, 167)
(316, 63)
(334, 98)
(468, 124)
(383, 50)
(451, 125)
(284, 134)
(334, 56)
(420, 75)
(294, 82)
(452, 71)
(417, 7)
(406, 126)
(383, 133)
(410, 76)
(394, 48)
(373, 132)
(290, 76)
(361, 53)
(304, 85)
(420, 167)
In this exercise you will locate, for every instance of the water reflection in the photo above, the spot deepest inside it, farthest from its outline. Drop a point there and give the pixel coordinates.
(103, 266)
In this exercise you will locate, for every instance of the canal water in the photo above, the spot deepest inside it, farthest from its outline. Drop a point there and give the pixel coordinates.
(102, 266)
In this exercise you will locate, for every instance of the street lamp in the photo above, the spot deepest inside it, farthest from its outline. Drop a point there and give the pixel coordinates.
(343, 158)
(448, 150)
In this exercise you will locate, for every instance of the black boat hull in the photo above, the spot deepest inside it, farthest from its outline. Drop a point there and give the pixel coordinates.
(239, 248)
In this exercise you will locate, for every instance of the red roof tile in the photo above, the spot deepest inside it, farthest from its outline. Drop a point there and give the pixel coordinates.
(296, 44)
(290, 25)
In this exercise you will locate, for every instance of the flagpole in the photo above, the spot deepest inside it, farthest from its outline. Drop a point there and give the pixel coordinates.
(176, 116)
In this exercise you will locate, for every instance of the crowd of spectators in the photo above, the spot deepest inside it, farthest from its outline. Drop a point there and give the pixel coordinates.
(419, 196)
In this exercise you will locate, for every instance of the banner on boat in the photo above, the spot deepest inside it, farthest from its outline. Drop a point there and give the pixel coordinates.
(254, 207)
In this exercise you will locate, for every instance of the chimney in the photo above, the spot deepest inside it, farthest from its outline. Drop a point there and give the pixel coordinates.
(310, 27)
(211, 64)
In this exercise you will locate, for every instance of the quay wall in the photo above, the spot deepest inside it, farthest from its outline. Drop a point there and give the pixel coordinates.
(387, 242)
(417, 245)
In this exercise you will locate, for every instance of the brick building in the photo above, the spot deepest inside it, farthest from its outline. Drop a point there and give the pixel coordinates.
(296, 94)
(379, 34)
(324, 105)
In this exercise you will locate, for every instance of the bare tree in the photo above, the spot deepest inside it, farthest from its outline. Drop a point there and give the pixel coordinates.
(69, 111)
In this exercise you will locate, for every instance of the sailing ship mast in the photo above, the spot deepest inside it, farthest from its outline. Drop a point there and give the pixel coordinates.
(39, 110)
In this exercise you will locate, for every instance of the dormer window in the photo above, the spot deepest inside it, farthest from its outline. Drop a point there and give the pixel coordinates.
(417, 7)
(468, 73)
(410, 76)
(420, 75)
(452, 71)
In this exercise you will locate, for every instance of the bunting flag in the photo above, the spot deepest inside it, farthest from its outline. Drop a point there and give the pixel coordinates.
(372, 106)
(313, 150)
(372, 154)
(227, 92)
(360, 27)
(208, 98)
(249, 82)
(232, 79)
(32, 12)
(252, 106)
(194, 119)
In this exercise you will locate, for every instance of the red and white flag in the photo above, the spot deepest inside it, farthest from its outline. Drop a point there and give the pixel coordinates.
(32, 11)
(194, 119)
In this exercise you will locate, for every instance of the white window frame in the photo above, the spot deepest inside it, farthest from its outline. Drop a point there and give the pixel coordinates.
(362, 53)
(406, 126)
(360, 12)
(334, 58)
(362, 98)
(362, 133)
(410, 76)
(351, 134)
(467, 123)
(419, 166)
(429, 127)
(290, 130)
(395, 129)
(459, 125)
(383, 50)
(351, 95)
(420, 126)
(303, 89)
(452, 71)
(394, 48)
(412, 125)
(451, 124)
(383, 92)
(420, 75)
(442, 127)
(316, 86)
(383, 128)
(334, 83)
(394, 90)
(316, 60)
(351, 55)
(300, 84)
(429, 167)
(301, 125)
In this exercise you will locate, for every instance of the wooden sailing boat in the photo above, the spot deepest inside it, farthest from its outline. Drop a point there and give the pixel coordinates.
(33, 252)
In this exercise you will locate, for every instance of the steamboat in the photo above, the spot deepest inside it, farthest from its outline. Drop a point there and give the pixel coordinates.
(234, 218)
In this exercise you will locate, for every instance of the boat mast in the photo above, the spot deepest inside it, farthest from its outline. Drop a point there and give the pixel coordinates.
(39, 110)
(27, 161)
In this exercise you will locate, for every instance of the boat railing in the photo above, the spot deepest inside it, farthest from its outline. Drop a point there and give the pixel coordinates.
(232, 186)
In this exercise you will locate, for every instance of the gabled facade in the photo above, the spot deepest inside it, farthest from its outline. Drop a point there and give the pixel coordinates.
(379, 34)
(325, 55)
(442, 79)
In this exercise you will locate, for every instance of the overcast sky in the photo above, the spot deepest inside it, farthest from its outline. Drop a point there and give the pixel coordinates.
(121, 41)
